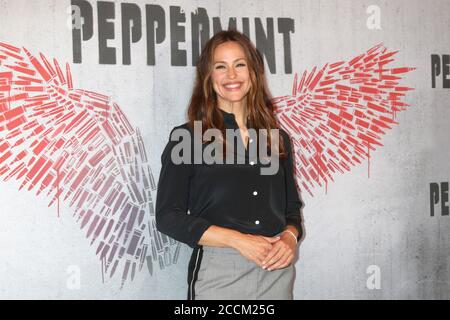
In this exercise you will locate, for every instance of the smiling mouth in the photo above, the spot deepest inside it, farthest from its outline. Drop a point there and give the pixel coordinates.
(232, 86)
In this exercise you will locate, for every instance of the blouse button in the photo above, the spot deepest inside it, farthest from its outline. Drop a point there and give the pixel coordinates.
(257, 222)
(255, 193)
(252, 162)
(251, 140)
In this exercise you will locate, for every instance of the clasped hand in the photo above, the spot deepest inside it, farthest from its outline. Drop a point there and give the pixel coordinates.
(270, 253)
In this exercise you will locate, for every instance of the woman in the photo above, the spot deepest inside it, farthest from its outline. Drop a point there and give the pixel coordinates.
(243, 226)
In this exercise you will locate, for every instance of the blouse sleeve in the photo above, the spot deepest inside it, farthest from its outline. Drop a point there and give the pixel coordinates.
(172, 198)
(293, 202)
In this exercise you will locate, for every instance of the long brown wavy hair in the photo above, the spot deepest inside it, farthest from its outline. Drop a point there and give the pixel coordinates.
(259, 108)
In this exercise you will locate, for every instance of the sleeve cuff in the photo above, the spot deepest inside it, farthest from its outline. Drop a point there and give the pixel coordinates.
(297, 224)
(197, 231)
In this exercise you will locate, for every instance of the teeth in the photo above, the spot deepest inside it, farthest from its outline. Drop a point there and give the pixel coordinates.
(232, 85)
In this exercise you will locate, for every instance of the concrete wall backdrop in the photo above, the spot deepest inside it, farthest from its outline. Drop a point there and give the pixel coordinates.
(370, 233)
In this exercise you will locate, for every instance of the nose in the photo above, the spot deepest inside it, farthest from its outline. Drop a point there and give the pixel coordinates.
(231, 72)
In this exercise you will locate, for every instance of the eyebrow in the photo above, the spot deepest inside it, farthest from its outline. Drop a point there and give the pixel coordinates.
(225, 61)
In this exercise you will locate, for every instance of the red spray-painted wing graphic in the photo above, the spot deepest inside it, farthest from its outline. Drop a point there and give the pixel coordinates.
(77, 146)
(336, 115)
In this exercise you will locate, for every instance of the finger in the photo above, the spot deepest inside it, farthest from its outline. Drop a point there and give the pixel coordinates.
(277, 264)
(280, 253)
(271, 239)
(284, 249)
(262, 248)
(264, 252)
(281, 263)
(259, 255)
(258, 261)
(275, 250)
(282, 266)
(253, 258)
(288, 261)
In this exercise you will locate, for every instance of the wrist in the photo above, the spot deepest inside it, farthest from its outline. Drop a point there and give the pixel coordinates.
(292, 229)
(290, 234)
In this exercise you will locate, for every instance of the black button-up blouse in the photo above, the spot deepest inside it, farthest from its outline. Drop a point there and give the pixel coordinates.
(192, 197)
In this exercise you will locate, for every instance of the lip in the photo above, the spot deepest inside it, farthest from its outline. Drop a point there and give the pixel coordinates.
(232, 83)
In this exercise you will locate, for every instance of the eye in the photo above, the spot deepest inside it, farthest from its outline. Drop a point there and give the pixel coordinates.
(241, 64)
(220, 67)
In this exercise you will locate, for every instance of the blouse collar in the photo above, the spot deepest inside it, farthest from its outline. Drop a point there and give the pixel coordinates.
(229, 118)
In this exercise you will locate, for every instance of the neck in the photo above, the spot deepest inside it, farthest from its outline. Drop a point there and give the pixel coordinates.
(236, 108)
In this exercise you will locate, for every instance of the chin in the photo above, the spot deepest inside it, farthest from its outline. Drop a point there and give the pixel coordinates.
(235, 98)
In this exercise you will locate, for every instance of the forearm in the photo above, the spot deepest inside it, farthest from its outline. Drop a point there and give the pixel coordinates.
(216, 236)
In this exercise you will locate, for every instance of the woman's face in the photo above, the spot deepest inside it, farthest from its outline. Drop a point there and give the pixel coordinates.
(230, 76)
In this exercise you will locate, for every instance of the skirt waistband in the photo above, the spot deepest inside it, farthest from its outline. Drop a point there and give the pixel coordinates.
(220, 250)
(225, 250)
